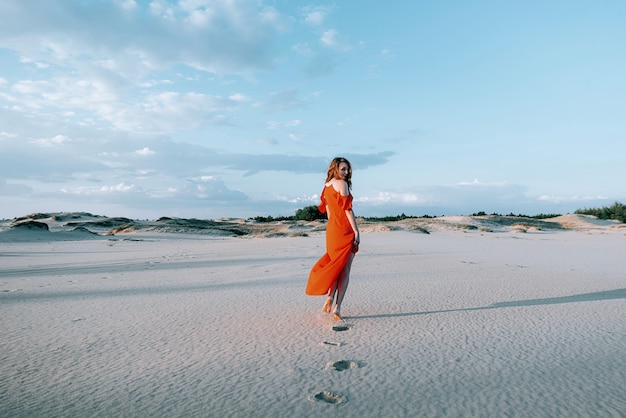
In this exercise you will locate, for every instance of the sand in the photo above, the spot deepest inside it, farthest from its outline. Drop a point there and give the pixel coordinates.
(455, 323)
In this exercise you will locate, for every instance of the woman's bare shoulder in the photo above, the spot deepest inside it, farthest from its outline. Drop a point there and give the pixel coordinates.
(341, 186)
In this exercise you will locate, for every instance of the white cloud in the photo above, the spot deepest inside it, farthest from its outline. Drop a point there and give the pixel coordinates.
(236, 35)
(386, 53)
(315, 18)
(477, 183)
(392, 197)
(7, 135)
(154, 83)
(303, 48)
(127, 5)
(271, 125)
(162, 9)
(572, 199)
(103, 190)
(239, 98)
(166, 112)
(121, 187)
(331, 39)
(107, 154)
(315, 15)
(197, 191)
(145, 152)
(54, 141)
(306, 199)
(65, 93)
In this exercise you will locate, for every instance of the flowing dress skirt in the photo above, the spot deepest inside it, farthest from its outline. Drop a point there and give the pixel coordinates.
(339, 243)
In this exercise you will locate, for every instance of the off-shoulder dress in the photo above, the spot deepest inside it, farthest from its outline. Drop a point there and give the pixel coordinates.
(339, 242)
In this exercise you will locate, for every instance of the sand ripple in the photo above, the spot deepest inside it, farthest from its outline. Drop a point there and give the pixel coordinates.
(443, 324)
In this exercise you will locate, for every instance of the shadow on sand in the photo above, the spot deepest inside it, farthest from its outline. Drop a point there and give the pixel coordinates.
(585, 297)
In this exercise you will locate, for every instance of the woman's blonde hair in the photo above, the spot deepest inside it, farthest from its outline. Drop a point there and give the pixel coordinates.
(334, 173)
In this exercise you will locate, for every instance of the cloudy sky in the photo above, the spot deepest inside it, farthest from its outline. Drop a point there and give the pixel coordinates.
(217, 108)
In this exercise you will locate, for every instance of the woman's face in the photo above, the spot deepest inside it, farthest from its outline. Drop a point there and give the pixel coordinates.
(344, 170)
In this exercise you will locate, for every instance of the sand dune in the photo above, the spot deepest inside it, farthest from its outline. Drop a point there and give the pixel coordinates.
(81, 225)
(473, 318)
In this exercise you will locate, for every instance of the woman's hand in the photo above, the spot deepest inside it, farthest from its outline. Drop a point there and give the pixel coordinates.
(357, 241)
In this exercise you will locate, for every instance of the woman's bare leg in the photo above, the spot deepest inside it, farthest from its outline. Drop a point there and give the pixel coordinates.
(342, 285)
(329, 301)
(330, 298)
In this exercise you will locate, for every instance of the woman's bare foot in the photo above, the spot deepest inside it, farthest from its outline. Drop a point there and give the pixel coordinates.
(337, 315)
(328, 304)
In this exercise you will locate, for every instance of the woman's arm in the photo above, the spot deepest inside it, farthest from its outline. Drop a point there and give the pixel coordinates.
(342, 188)
(355, 227)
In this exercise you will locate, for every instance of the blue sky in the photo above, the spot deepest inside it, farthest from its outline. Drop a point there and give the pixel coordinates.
(234, 108)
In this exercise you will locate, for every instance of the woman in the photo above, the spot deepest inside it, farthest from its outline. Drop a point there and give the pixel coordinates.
(330, 275)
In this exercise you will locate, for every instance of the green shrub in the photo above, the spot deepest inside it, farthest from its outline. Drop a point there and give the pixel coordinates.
(309, 213)
(395, 218)
(268, 219)
(617, 211)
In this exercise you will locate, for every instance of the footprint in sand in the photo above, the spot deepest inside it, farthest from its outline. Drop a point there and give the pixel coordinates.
(329, 398)
(341, 327)
(342, 365)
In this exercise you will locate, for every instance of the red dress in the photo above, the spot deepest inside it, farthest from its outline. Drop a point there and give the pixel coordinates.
(339, 243)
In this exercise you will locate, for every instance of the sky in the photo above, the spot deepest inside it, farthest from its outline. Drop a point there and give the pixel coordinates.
(234, 108)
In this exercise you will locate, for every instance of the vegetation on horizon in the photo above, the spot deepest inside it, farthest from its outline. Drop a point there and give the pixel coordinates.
(617, 211)
(270, 218)
(311, 213)
(308, 213)
(396, 218)
(519, 215)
